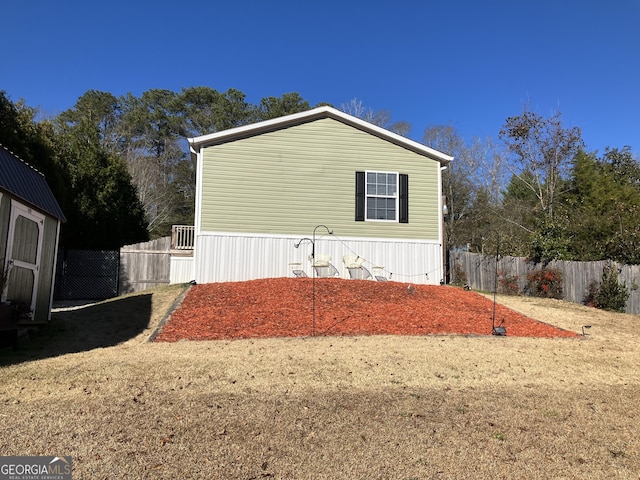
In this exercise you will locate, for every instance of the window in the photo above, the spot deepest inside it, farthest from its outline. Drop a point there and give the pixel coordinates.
(382, 196)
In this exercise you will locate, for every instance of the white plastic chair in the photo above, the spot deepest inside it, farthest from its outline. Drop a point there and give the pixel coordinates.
(296, 269)
(378, 274)
(354, 265)
(323, 267)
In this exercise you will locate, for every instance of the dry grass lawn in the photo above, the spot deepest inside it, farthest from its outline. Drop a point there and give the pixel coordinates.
(435, 407)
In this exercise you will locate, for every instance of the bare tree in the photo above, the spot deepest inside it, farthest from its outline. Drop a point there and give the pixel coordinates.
(357, 109)
(542, 153)
(381, 118)
(471, 183)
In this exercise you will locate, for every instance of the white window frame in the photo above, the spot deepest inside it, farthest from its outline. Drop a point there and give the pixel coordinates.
(396, 197)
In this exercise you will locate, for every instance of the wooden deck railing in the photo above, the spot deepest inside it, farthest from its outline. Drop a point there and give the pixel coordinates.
(182, 237)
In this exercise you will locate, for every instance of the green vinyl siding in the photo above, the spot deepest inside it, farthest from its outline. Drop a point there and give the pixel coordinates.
(290, 180)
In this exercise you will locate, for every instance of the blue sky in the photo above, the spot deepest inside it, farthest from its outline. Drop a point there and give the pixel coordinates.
(469, 64)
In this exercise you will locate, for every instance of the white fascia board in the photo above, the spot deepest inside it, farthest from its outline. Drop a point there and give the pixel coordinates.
(252, 129)
(196, 143)
(395, 138)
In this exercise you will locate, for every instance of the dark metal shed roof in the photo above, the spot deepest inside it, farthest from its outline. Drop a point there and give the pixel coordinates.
(25, 182)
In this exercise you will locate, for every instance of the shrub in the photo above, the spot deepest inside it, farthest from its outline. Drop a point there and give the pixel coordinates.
(590, 297)
(508, 284)
(546, 282)
(459, 275)
(609, 294)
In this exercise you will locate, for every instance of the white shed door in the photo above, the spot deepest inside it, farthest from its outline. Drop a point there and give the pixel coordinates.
(24, 247)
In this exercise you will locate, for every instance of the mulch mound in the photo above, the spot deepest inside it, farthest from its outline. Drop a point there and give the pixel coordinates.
(295, 307)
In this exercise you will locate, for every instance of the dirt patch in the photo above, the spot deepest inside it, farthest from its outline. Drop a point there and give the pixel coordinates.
(285, 307)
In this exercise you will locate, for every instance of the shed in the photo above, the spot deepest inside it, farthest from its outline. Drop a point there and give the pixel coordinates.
(30, 220)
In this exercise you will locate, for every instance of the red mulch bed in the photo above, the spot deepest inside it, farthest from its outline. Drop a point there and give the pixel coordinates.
(283, 307)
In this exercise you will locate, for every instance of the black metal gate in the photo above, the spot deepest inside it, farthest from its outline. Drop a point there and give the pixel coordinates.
(87, 274)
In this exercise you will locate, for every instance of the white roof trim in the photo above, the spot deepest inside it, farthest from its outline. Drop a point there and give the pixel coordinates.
(196, 143)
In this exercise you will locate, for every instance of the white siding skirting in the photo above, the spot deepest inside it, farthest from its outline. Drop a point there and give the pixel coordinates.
(228, 257)
(182, 269)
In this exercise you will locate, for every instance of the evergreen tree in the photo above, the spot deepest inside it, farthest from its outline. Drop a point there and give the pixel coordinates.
(107, 213)
(35, 143)
(603, 206)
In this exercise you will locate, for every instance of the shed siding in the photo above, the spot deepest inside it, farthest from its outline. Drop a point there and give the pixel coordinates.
(46, 270)
(290, 180)
(5, 213)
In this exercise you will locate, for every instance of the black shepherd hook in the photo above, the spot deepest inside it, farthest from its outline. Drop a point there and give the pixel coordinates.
(496, 330)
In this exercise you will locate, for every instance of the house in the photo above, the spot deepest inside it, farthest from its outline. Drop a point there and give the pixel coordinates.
(264, 189)
(30, 220)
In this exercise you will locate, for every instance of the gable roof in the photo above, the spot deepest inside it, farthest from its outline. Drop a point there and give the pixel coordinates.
(25, 182)
(245, 131)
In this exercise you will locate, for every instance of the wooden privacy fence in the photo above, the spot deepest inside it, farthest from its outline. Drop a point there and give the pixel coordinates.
(145, 265)
(576, 276)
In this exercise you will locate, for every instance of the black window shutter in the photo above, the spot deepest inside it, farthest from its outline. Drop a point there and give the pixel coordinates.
(404, 198)
(360, 187)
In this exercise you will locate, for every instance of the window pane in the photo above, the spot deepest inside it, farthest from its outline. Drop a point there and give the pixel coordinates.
(386, 190)
(390, 209)
(371, 207)
(391, 189)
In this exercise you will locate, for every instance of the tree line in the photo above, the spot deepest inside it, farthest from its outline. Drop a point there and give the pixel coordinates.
(121, 170)
(120, 166)
(538, 193)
